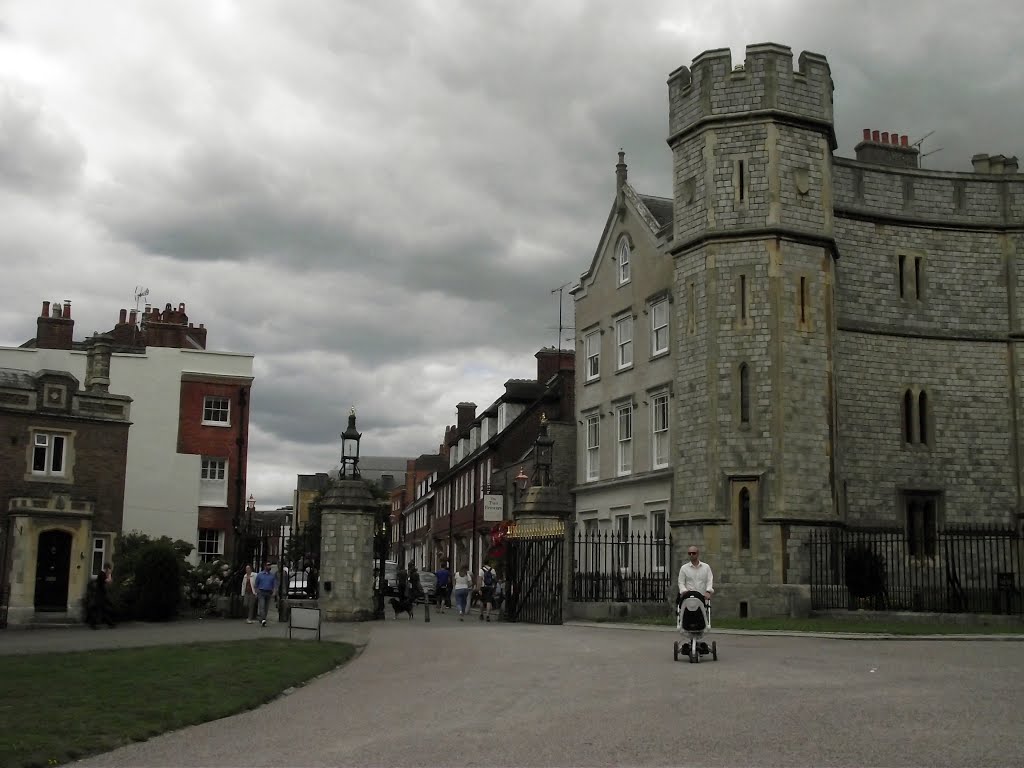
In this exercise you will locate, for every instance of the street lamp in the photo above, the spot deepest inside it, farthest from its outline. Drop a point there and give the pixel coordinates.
(542, 450)
(250, 508)
(521, 480)
(350, 447)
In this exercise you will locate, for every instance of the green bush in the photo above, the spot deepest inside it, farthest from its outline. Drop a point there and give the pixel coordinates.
(129, 553)
(158, 582)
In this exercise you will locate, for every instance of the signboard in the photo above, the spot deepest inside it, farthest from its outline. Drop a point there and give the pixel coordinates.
(494, 508)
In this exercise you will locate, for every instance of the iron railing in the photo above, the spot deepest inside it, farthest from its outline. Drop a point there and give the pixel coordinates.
(971, 570)
(634, 569)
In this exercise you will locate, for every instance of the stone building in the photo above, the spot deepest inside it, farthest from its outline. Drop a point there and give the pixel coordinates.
(64, 452)
(844, 332)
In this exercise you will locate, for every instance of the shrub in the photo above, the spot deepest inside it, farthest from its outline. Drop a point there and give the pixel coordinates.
(158, 582)
(129, 553)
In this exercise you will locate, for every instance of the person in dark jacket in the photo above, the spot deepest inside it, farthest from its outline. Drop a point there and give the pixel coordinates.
(101, 609)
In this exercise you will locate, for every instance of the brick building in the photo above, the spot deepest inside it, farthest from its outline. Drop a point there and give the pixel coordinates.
(188, 446)
(843, 334)
(64, 453)
(485, 452)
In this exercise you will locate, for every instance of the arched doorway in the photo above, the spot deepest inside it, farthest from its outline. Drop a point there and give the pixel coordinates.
(53, 566)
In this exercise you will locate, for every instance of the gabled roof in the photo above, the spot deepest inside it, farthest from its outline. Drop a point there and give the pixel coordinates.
(659, 207)
(655, 212)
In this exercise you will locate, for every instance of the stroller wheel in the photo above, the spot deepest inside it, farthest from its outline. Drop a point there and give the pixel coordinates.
(714, 650)
(675, 651)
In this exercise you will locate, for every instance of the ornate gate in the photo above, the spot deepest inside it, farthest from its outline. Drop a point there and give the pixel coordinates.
(534, 569)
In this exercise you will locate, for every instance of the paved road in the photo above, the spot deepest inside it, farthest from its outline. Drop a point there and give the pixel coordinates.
(478, 694)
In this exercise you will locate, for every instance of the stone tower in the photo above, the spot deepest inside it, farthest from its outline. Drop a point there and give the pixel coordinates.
(755, 324)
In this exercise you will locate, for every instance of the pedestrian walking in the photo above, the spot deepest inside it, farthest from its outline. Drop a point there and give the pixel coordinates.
(488, 580)
(249, 594)
(101, 608)
(266, 587)
(443, 593)
(463, 585)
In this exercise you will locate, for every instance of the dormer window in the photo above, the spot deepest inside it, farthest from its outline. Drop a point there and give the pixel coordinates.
(624, 273)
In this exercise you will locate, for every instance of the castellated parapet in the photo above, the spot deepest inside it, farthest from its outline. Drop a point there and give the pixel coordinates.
(712, 88)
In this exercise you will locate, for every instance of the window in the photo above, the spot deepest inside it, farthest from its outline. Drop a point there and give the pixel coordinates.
(593, 447)
(916, 418)
(592, 342)
(624, 341)
(622, 534)
(624, 273)
(744, 510)
(902, 273)
(803, 300)
(921, 524)
(743, 297)
(691, 310)
(917, 277)
(624, 414)
(48, 454)
(211, 545)
(744, 393)
(922, 418)
(99, 555)
(217, 410)
(659, 327)
(660, 540)
(213, 486)
(659, 430)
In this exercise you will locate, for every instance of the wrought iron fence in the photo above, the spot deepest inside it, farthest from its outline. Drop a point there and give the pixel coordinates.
(963, 570)
(610, 568)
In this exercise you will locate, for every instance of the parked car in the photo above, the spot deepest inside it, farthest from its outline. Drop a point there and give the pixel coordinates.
(303, 585)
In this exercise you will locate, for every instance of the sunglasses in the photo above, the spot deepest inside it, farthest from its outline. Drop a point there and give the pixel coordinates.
(693, 553)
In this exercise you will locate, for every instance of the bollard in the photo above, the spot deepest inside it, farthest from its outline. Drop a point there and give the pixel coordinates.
(426, 610)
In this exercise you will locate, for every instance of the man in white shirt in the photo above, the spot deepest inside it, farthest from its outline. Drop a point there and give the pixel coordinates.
(696, 576)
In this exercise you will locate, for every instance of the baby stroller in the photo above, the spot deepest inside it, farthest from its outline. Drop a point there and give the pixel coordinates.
(693, 619)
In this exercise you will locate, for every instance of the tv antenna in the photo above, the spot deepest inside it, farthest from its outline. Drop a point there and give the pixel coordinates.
(140, 294)
(559, 291)
(919, 144)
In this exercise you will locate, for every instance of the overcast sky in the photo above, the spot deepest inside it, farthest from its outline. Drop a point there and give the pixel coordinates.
(378, 198)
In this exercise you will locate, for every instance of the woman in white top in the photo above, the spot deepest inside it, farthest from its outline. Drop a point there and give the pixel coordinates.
(463, 585)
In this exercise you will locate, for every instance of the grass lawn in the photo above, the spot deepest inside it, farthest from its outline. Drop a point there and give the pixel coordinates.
(63, 706)
(853, 624)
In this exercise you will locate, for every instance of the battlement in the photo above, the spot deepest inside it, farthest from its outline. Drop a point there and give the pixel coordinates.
(712, 88)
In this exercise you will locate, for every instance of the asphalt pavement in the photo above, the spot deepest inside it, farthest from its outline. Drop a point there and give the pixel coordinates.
(492, 694)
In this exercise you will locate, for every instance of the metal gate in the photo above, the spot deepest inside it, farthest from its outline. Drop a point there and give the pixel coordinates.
(534, 569)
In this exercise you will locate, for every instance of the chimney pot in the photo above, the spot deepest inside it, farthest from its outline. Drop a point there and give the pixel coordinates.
(874, 136)
(46, 309)
(122, 317)
(867, 134)
(904, 141)
(67, 309)
(885, 137)
(131, 317)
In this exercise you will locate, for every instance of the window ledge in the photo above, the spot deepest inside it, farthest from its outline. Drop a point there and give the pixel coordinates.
(624, 369)
(659, 354)
(215, 423)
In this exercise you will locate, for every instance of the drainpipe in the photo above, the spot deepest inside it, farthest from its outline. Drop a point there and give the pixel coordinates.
(243, 403)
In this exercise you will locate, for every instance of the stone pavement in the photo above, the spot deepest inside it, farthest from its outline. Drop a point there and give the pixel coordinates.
(494, 694)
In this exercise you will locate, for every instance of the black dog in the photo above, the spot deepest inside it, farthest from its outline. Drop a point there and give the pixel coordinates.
(401, 606)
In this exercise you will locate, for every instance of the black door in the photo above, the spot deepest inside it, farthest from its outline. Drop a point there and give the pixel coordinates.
(53, 565)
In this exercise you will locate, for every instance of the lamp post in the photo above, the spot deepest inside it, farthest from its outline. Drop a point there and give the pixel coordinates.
(250, 509)
(521, 481)
(543, 448)
(381, 534)
(350, 448)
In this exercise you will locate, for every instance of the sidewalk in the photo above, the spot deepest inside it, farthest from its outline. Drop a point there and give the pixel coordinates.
(138, 634)
(786, 633)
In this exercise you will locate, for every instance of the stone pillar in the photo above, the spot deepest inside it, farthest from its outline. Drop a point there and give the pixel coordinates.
(545, 510)
(348, 516)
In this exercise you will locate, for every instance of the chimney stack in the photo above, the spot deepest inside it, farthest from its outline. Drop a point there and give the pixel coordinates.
(884, 148)
(97, 363)
(54, 327)
(467, 412)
